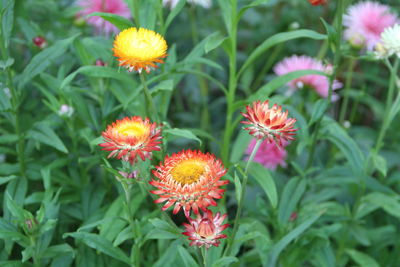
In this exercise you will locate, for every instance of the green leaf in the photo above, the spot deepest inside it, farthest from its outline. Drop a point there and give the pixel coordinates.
(291, 195)
(276, 39)
(238, 188)
(264, 178)
(362, 259)
(7, 20)
(167, 85)
(57, 250)
(6, 179)
(6, 63)
(163, 230)
(380, 164)
(5, 96)
(319, 109)
(174, 12)
(101, 244)
(46, 135)
(186, 257)
(215, 39)
(98, 72)
(266, 90)
(182, 133)
(335, 134)
(225, 261)
(285, 241)
(120, 22)
(44, 59)
(391, 204)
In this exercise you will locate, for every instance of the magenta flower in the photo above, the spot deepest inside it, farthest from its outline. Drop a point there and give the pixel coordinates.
(319, 83)
(268, 154)
(365, 21)
(117, 7)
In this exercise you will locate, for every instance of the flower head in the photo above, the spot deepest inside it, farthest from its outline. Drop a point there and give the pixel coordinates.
(391, 40)
(317, 82)
(365, 21)
(172, 3)
(132, 137)
(65, 110)
(268, 154)
(189, 179)
(117, 7)
(268, 123)
(317, 2)
(206, 229)
(40, 42)
(139, 49)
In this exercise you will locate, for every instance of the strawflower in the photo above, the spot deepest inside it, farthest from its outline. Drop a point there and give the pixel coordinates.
(139, 49)
(132, 137)
(391, 40)
(206, 229)
(271, 124)
(317, 2)
(319, 83)
(117, 7)
(365, 21)
(268, 154)
(189, 180)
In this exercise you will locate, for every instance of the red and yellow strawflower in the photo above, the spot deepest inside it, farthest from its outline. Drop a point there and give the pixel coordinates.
(139, 49)
(132, 137)
(267, 123)
(189, 180)
(206, 229)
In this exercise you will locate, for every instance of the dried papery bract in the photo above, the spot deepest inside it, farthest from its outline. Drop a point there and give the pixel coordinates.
(132, 137)
(206, 229)
(391, 40)
(267, 123)
(189, 180)
(139, 49)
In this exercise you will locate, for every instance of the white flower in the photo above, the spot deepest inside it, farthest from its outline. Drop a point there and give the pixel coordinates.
(391, 40)
(172, 3)
(65, 110)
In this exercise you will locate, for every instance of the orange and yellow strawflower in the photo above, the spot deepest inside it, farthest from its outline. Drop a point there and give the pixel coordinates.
(189, 180)
(132, 137)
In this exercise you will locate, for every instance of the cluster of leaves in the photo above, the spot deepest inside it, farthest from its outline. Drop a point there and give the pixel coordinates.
(61, 203)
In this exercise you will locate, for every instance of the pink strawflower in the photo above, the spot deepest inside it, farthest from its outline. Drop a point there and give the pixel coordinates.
(117, 7)
(268, 154)
(365, 21)
(319, 83)
(206, 229)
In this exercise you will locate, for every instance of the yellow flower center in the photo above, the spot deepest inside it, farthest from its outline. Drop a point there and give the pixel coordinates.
(188, 172)
(132, 129)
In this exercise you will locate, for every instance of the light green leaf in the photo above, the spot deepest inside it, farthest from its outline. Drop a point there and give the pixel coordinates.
(285, 241)
(276, 39)
(215, 39)
(362, 259)
(319, 109)
(174, 12)
(101, 244)
(46, 135)
(291, 195)
(186, 257)
(182, 133)
(225, 261)
(264, 178)
(44, 59)
(120, 22)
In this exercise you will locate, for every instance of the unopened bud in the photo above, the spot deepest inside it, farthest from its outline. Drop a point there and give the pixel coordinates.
(40, 42)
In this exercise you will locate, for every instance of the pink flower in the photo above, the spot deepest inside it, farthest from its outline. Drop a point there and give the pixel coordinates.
(319, 83)
(206, 229)
(117, 7)
(365, 21)
(268, 154)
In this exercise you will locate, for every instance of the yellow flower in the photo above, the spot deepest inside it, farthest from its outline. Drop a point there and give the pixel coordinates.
(139, 49)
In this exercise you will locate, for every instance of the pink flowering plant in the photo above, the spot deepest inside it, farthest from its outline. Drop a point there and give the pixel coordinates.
(199, 133)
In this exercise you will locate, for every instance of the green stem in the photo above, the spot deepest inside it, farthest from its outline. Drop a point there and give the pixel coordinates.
(240, 201)
(127, 190)
(336, 61)
(151, 110)
(389, 101)
(345, 103)
(231, 87)
(204, 255)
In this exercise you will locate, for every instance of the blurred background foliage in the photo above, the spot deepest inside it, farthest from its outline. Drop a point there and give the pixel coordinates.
(62, 205)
